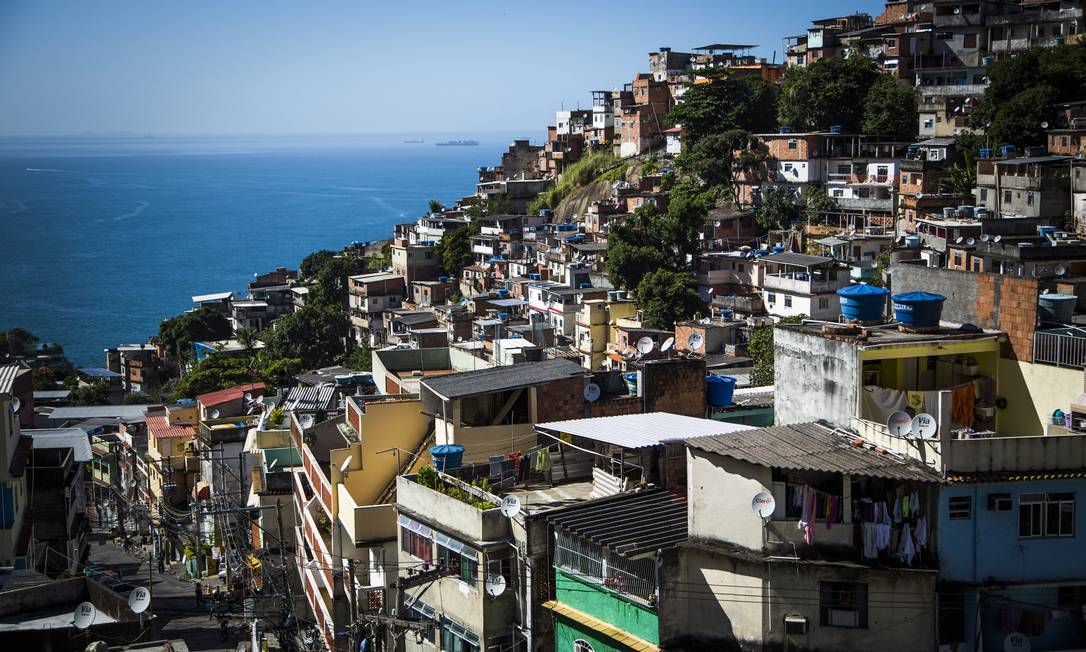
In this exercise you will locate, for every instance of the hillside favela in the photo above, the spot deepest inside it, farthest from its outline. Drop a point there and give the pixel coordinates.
(770, 344)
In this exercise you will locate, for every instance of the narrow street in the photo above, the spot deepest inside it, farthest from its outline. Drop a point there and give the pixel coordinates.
(173, 600)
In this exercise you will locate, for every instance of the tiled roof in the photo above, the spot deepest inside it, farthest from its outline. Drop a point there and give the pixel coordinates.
(231, 394)
(813, 447)
(160, 428)
(629, 524)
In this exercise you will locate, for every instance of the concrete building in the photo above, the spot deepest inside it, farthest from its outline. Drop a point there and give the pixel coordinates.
(818, 587)
(370, 295)
(56, 473)
(595, 334)
(800, 284)
(15, 525)
(1033, 186)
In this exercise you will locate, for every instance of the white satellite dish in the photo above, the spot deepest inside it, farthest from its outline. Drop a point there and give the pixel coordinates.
(306, 420)
(645, 345)
(984, 237)
(16, 404)
(763, 504)
(958, 240)
(215, 414)
(970, 242)
(591, 392)
(997, 238)
(899, 424)
(346, 463)
(495, 585)
(695, 341)
(668, 343)
(1044, 125)
(139, 600)
(271, 465)
(924, 426)
(1016, 642)
(1060, 270)
(510, 506)
(248, 396)
(710, 291)
(84, 615)
(1045, 291)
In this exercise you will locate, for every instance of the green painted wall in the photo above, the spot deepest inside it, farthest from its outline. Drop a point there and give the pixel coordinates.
(566, 632)
(641, 621)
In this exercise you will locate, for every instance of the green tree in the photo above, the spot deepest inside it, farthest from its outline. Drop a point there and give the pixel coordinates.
(315, 334)
(453, 250)
(687, 209)
(636, 246)
(890, 108)
(828, 92)
(330, 282)
(178, 334)
(720, 160)
(666, 297)
(17, 342)
(1019, 120)
(313, 263)
(816, 201)
(359, 359)
(95, 393)
(280, 372)
(436, 206)
(779, 207)
(136, 398)
(213, 373)
(746, 103)
(760, 350)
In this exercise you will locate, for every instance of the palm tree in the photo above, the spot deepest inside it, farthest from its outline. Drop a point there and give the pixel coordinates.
(436, 206)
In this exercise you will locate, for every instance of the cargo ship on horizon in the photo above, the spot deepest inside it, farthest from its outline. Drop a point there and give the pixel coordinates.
(458, 143)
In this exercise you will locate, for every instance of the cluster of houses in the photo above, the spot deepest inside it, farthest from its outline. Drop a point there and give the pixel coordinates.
(528, 466)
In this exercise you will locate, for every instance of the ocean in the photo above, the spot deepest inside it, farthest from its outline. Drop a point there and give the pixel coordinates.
(104, 237)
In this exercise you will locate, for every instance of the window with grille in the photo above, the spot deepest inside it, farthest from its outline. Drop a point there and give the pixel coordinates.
(461, 559)
(596, 564)
(960, 507)
(1046, 515)
(843, 604)
(416, 545)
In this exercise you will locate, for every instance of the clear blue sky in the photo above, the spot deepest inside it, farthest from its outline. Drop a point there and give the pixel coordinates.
(359, 66)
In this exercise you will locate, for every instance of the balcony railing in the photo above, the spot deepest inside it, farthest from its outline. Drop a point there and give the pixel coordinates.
(954, 89)
(1059, 350)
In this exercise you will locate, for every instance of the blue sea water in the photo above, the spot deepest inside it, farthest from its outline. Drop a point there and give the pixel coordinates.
(103, 238)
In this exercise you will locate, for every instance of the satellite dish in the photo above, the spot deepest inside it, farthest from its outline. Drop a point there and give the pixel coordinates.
(984, 237)
(710, 291)
(924, 426)
(1044, 125)
(899, 424)
(346, 463)
(1045, 291)
(591, 392)
(1060, 270)
(1016, 642)
(645, 345)
(248, 396)
(958, 240)
(970, 241)
(495, 585)
(306, 421)
(84, 615)
(998, 238)
(16, 404)
(763, 504)
(668, 343)
(215, 414)
(695, 341)
(510, 506)
(139, 600)
(271, 465)
(919, 195)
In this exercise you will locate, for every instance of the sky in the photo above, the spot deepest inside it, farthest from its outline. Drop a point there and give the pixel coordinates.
(285, 67)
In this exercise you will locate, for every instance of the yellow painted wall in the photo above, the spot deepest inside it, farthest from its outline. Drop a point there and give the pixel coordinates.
(1033, 393)
(391, 424)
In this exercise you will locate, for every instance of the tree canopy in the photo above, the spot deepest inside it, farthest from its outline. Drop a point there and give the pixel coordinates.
(719, 160)
(724, 104)
(178, 334)
(95, 393)
(330, 281)
(313, 263)
(453, 250)
(637, 245)
(665, 297)
(213, 373)
(826, 93)
(890, 108)
(314, 334)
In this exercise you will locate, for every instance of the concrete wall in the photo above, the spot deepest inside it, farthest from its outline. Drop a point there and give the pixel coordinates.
(822, 375)
(711, 600)
(1033, 393)
(987, 545)
(719, 491)
(1052, 453)
(990, 301)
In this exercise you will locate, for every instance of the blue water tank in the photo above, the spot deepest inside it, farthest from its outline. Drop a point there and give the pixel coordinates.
(720, 389)
(777, 249)
(1056, 307)
(786, 129)
(1045, 231)
(503, 316)
(912, 242)
(919, 309)
(985, 152)
(631, 382)
(502, 293)
(447, 456)
(1007, 151)
(443, 279)
(862, 302)
(836, 129)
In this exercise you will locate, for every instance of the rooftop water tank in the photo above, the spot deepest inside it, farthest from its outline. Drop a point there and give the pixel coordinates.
(862, 302)
(447, 456)
(986, 152)
(622, 294)
(777, 249)
(786, 129)
(631, 382)
(503, 293)
(1056, 307)
(1045, 231)
(912, 242)
(836, 129)
(443, 279)
(918, 309)
(1007, 151)
(503, 316)
(949, 212)
(720, 390)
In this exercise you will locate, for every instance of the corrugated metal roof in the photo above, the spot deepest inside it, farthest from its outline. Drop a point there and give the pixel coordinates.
(319, 398)
(218, 296)
(8, 374)
(641, 430)
(126, 413)
(500, 379)
(629, 524)
(1014, 476)
(813, 447)
(799, 260)
(72, 438)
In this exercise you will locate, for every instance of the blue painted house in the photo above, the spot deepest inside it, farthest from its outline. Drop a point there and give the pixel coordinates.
(1012, 554)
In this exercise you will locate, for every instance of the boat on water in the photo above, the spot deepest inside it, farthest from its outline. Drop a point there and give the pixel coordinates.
(458, 143)
(414, 141)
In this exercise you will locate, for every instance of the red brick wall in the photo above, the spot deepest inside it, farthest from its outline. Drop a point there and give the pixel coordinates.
(561, 400)
(676, 386)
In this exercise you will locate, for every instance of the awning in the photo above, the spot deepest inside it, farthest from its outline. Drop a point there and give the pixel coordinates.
(414, 526)
(456, 546)
(605, 629)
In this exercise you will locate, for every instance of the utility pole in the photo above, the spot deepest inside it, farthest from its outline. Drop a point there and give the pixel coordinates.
(354, 606)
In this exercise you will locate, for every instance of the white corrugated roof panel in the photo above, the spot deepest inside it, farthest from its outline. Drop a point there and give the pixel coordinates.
(641, 430)
(218, 296)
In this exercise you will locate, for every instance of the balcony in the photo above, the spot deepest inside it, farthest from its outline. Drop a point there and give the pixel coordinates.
(1059, 350)
(953, 89)
(228, 430)
(1014, 182)
(435, 507)
(802, 283)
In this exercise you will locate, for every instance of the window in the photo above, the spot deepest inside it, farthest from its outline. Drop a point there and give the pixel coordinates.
(793, 143)
(787, 167)
(462, 559)
(1046, 515)
(581, 645)
(960, 507)
(415, 539)
(837, 192)
(787, 301)
(904, 179)
(1007, 196)
(1000, 503)
(770, 297)
(455, 638)
(983, 194)
(957, 258)
(823, 303)
(842, 604)
(929, 123)
(1029, 199)
(969, 41)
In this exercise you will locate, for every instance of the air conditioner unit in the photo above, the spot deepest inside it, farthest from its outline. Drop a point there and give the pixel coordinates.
(795, 625)
(844, 618)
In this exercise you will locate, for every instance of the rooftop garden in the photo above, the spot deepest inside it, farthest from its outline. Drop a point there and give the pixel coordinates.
(431, 479)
